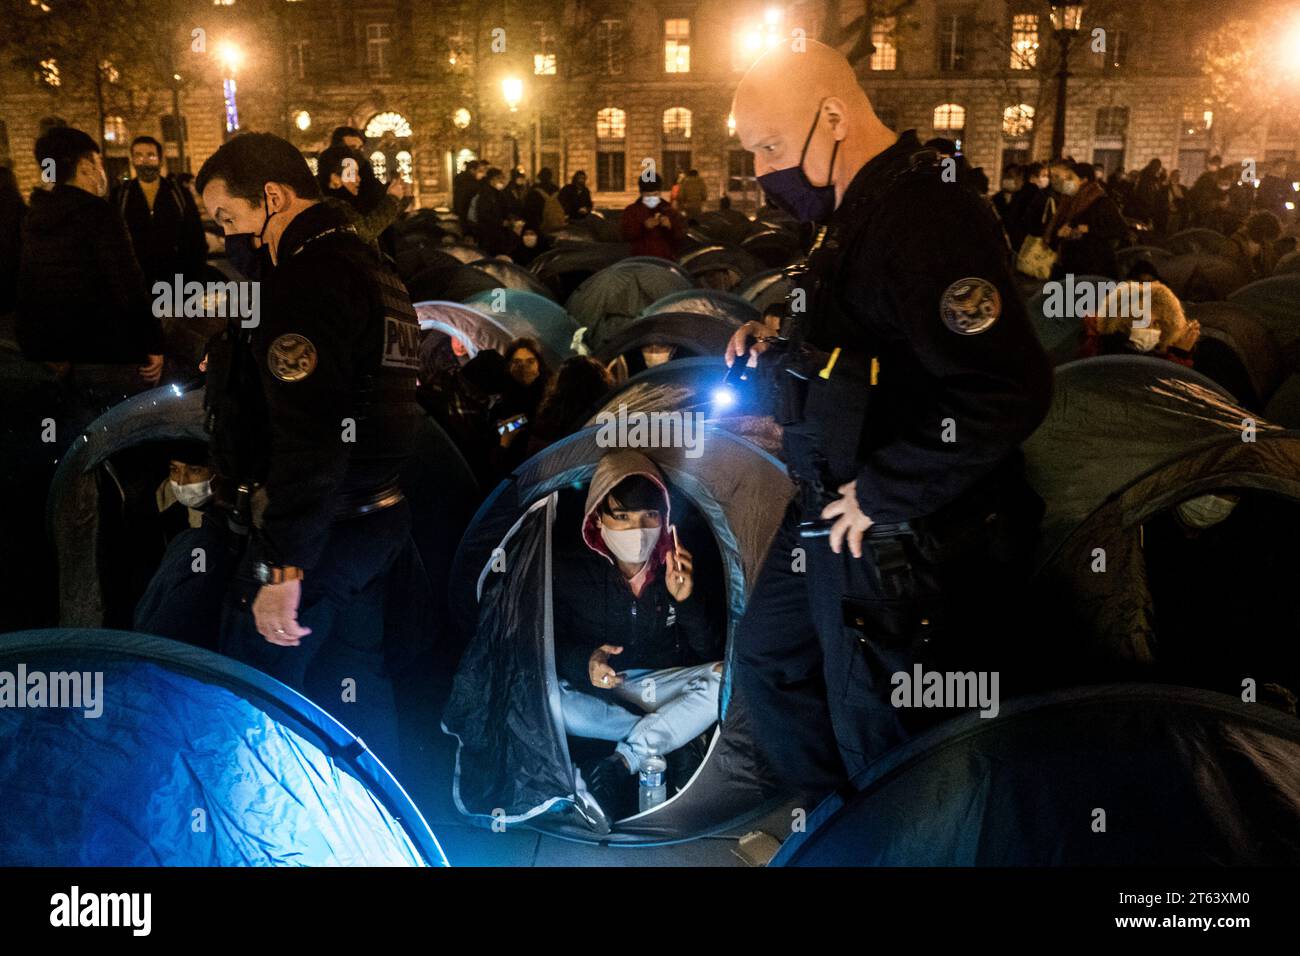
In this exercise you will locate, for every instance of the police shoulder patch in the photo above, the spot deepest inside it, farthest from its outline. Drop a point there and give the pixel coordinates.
(970, 305)
(291, 357)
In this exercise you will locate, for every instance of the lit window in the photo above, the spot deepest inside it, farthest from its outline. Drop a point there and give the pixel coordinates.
(50, 72)
(382, 123)
(114, 131)
(404, 165)
(677, 123)
(302, 120)
(379, 163)
(677, 46)
(611, 123)
(949, 116)
(1024, 41)
(882, 38)
(377, 41)
(544, 53)
(1017, 120)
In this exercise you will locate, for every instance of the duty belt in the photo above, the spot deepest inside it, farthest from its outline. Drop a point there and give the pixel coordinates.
(239, 512)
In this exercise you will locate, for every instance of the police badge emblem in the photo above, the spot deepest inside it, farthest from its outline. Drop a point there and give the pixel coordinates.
(291, 357)
(970, 305)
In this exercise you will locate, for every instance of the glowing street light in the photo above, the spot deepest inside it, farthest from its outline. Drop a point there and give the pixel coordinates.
(512, 88)
(231, 56)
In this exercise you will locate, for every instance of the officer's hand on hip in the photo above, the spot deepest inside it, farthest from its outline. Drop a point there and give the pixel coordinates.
(275, 611)
(736, 347)
(851, 522)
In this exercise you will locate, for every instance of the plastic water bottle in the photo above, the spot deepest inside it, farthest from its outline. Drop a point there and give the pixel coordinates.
(654, 782)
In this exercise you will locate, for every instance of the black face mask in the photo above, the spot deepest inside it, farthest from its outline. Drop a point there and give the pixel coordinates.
(266, 199)
(244, 257)
(791, 190)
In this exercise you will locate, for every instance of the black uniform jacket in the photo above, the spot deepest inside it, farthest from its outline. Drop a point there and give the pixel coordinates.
(317, 401)
(917, 276)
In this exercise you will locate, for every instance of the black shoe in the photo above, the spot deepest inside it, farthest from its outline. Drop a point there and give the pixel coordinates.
(610, 783)
(686, 759)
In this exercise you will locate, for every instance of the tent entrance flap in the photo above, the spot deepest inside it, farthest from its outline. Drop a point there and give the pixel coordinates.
(512, 762)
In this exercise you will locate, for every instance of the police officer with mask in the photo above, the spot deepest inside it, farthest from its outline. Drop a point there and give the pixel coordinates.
(311, 412)
(905, 376)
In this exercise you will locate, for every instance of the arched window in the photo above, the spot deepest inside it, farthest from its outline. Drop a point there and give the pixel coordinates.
(379, 162)
(677, 123)
(611, 123)
(404, 165)
(949, 116)
(388, 122)
(1017, 120)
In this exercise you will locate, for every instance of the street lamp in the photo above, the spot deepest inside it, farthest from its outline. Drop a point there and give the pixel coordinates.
(231, 58)
(1067, 18)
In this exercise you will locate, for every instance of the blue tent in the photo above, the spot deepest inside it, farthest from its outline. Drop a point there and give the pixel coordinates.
(550, 324)
(159, 754)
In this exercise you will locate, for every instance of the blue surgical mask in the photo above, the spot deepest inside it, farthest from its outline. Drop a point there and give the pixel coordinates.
(791, 190)
(650, 201)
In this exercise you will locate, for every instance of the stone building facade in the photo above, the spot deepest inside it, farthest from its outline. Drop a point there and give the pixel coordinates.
(607, 87)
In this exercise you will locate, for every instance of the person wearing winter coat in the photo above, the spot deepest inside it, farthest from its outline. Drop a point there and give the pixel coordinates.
(652, 226)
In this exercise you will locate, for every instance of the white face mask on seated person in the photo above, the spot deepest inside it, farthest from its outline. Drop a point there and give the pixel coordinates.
(194, 495)
(632, 546)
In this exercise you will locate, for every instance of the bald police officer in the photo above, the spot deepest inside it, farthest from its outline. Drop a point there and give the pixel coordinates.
(906, 376)
(312, 411)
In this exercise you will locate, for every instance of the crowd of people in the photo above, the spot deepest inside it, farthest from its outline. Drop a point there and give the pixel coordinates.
(1081, 216)
(79, 263)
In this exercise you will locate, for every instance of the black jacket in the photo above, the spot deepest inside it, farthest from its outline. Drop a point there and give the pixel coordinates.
(81, 294)
(915, 273)
(167, 240)
(337, 343)
(574, 199)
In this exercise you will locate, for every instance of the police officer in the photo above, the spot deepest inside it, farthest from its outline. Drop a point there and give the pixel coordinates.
(906, 375)
(311, 411)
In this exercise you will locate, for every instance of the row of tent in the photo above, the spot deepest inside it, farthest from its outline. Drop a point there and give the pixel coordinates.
(1250, 343)
(1195, 264)
(1127, 440)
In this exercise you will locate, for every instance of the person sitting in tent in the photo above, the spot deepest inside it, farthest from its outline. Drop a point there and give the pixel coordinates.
(638, 659)
(1115, 329)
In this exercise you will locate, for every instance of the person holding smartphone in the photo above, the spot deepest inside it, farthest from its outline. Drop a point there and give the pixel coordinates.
(652, 226)
(637, 651)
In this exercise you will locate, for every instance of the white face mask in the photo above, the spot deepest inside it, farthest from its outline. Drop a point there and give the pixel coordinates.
(1206, 511)
(650, 201)
(193, 495)
(632, 546)
(1069, 187)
